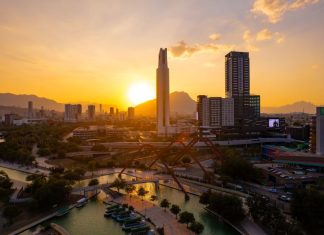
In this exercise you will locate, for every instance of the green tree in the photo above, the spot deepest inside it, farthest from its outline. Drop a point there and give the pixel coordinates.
(141, 192)
(93, 182)
(153, 198)
(130, 189)
(196, 227)
(307, 206)
(186, 218)
(165, 204)
(175, 209)
(119, 184)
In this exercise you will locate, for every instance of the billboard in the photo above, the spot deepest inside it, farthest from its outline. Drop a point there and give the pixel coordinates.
(274, 122)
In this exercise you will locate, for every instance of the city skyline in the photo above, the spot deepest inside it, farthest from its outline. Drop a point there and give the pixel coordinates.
(54, 50)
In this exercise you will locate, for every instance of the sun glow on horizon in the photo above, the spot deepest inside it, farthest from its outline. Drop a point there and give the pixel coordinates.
(140, 92)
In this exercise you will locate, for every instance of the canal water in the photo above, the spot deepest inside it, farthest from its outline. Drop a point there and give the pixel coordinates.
(90, 219)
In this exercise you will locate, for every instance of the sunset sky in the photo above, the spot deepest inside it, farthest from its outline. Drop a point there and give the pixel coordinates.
(100, 50)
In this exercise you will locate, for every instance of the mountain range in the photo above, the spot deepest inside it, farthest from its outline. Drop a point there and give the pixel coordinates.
(180, 104)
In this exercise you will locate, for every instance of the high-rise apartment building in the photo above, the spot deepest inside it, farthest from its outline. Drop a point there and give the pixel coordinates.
(111, 111)
(162, 94)
(237, 86)
(72, 112)
(320, 130)
(30, 110)
(131, 113)
(237, 74)
(91, 112)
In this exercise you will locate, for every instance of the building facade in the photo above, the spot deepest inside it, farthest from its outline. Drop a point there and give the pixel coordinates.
(72, 112)
(91, 112)
(320, 130)
(30, 110)
(162, 94)
(131, 113)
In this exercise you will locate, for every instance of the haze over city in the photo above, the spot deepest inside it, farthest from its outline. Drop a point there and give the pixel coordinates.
(105, 51)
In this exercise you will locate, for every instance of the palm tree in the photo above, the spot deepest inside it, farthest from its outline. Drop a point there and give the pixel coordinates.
(175, 209)
(129, 189)
(141, 192)
(165, 204)
(153, 198)
(119, 184)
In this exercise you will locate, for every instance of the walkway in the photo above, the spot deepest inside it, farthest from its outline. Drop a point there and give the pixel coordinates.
(160, 217)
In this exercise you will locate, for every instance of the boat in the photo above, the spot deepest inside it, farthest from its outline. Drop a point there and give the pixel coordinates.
(119, 213)
(62, 211)
(112, 207)
(122, 218)
(134, 226)
(140, 230)
(113, 211)
(132, 220)
(81, 202)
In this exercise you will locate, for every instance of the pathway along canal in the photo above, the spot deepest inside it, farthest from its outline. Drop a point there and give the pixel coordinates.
(90, 219)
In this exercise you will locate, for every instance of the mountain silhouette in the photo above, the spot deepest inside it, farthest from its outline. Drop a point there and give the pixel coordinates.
(297, 107)
(180, 104)
(13, 100)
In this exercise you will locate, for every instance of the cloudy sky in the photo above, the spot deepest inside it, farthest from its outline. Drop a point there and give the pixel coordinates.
(95, 50)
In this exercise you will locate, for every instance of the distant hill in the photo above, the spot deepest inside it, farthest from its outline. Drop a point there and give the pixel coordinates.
(12, 100)
(180, 104)
(298, 107)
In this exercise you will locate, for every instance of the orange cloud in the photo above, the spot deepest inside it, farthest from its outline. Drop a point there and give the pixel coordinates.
(275, 9)
(182, 49)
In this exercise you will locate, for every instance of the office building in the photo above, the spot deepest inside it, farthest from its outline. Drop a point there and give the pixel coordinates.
(237, 86)
(203, 111)
(162, 94)
(320, 130)
(72, 112)
(227, 112)
(215, 112)
(131, 113)
(111, 111)
(312, 135)
(30, 110)
(91, 112)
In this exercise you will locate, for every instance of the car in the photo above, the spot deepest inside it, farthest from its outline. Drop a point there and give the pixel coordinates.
(282, 197)
(282, 175)
(273, 190)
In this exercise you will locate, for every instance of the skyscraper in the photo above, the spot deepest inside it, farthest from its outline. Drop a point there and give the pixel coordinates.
(237, 86)
(131, 113)
(91, 112)
(30, 109)
(237, 74)
(162, 94)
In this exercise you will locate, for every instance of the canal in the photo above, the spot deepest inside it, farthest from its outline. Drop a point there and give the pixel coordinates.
(90, 219)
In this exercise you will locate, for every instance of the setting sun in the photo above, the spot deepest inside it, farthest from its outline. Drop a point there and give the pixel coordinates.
(140, 92)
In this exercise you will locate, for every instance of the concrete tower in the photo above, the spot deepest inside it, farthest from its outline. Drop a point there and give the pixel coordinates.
(162, 94)
(30, 110)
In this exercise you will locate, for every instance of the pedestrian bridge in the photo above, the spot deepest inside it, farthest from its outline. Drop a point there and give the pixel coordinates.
(108, 185)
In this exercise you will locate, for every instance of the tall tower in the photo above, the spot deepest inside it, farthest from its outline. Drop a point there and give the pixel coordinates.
(30, 109)
(237, 74)
(162, 94)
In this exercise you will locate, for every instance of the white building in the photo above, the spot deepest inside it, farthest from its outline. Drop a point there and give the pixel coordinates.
(320, 130)
(162, 94)
(215, 112)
